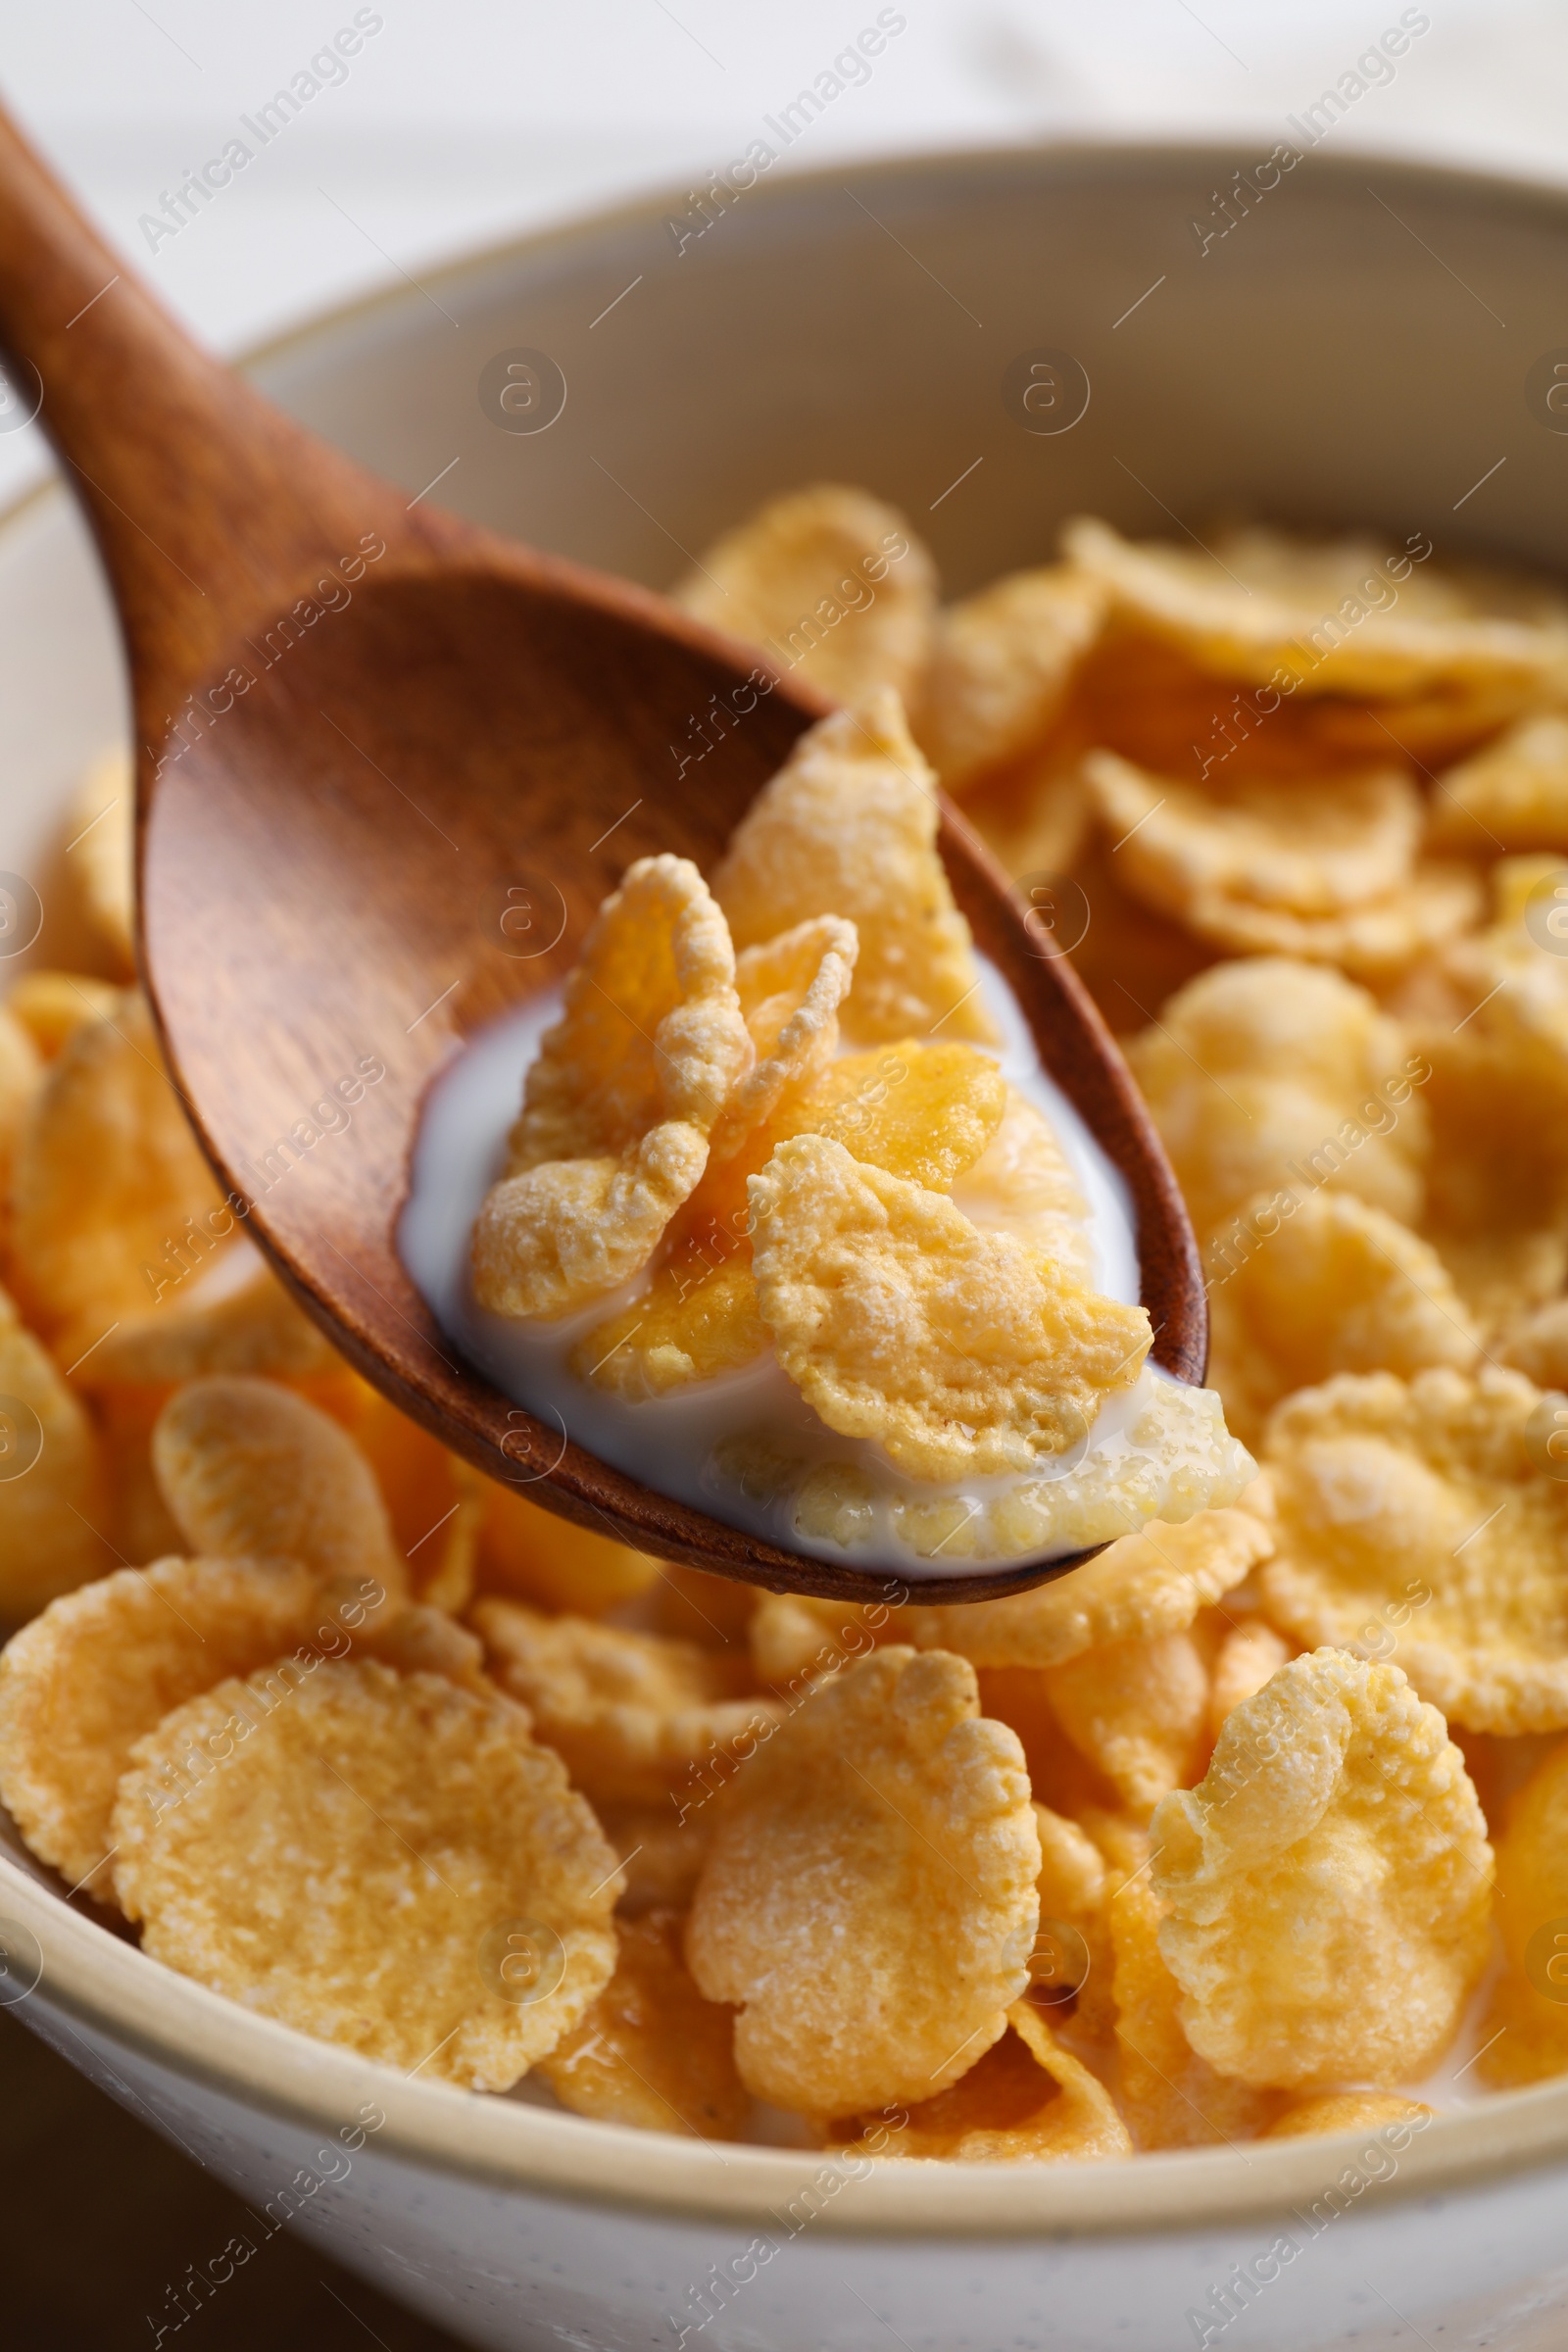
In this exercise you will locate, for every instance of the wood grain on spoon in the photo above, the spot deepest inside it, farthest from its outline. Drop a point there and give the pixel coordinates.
(388, 767)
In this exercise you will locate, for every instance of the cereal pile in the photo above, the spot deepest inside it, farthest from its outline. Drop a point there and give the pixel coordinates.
(1244, 1829)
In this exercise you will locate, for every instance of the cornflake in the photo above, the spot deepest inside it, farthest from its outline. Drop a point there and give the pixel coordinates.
(1266, 1074)
(650, 2051)
(1342, 616)
(868, 1899)
(254, 1328)
(1332, 1285)
(103, 1666)
(1420, 1519)
(52, 1506)
(1511, 796)
(1525, 2037)
(631, 1713)
(1023, 1182)
(899, 1321)
(619, 1100)
(1027, 2101)
(849, 828)
(1138, 1711)
(382, 1860)
(107, 1175)
(251, 1471)
(1347, 2111)
(1173, 2098)
(827, 580)
(1003, 665)
(1328, 1883)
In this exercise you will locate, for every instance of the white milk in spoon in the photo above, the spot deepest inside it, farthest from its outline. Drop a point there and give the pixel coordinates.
(746, 1447)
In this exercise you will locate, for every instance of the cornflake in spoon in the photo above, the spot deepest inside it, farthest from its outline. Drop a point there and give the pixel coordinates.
(619, 1103)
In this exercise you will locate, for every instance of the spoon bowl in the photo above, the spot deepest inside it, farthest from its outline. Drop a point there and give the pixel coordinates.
(388, 767)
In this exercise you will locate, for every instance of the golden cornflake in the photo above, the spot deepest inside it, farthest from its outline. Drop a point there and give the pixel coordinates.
(538, 1556)
(1268, 1074)
(1172, 2097)
(1347, 2110)
(1003, 663)
(849, 828)
(632, 1714)
(959, 1350)
(827, 580)
(1329, 1285)
(618, 1103)
(387, 1862)
(1315, 846)
(52, 1488)
(1347, 617)
(108, 1179)
(1138, 1711)
(251, 1471)
(51, 1007)
(1511, 796)
(1022, 1183)
(869, 1895)
(1328, 1885)
(650, 2051)
(102, 1667)
(1026, 2102)
(1427, 1521)
(1249, 1655)
(252, 1328)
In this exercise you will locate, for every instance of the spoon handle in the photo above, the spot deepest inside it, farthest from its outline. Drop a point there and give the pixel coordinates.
(208, 504)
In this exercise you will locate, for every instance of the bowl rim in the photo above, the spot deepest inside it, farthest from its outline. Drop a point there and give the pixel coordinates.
(94, 1980)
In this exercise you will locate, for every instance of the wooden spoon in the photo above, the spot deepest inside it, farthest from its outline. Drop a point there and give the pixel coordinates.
(372, 742)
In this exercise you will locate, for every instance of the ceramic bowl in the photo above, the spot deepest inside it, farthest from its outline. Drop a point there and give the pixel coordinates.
(1346, 342)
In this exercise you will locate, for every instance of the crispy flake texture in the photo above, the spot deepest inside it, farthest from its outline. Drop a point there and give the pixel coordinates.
(1331, 1285)
(828, 581)
(1172, 2097)
(1138, 1587)
(1346, 617)
(107, 1176)
(379, 1860)
(251, 1471)
(698, 1315)
(631, 1713)
(1322, 869)
(20, 1075)
(1138, 1711)
(1328, 1885)
(101, 1668)
(869, 1896)
(1026, 2102)
(53, 1506)
(899, 1321)
(650, 2051)
(1423, 1520)
(1003, 663)
(849, 828)
(1267, 1074)
(618, 1105)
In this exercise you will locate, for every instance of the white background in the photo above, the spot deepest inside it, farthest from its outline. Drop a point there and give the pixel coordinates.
(464, 120)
